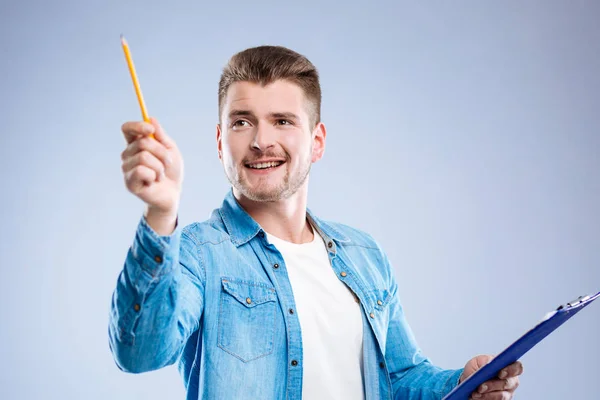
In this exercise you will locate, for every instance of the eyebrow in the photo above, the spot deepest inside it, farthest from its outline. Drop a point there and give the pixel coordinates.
(240, 113)
(275, 115)
(284, 115)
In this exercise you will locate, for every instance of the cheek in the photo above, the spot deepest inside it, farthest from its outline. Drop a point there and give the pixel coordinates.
(231, 151)
(229, 161)
(299, 150)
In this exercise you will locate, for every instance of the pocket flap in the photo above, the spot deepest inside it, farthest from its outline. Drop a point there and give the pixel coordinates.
(249, 294)
(381, 298)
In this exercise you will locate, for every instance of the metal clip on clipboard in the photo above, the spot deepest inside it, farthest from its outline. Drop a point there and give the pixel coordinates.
(549, 324)
(579, 300)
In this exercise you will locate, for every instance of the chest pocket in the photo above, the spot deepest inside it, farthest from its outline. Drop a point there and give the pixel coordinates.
(247, 319)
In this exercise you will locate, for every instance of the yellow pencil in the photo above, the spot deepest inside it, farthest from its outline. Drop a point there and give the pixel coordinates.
(136, 83)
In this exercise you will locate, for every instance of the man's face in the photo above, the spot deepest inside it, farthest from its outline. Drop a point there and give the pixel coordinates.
(266, 142)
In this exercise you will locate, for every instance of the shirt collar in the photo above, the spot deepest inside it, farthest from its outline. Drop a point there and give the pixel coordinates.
(241, 227)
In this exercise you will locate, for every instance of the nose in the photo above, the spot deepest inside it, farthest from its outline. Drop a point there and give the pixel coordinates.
(264, 138)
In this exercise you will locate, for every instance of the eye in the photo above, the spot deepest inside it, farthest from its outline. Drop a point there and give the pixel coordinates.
(283, 122)
(240, 123)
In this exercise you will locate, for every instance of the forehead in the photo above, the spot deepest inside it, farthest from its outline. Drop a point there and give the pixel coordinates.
(278, 96)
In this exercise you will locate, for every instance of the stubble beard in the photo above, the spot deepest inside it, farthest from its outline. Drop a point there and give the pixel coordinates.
(288, 186)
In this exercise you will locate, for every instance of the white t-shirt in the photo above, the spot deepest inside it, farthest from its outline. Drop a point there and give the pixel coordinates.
(330, 321)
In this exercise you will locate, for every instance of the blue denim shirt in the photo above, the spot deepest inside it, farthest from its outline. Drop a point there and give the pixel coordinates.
(215, 296)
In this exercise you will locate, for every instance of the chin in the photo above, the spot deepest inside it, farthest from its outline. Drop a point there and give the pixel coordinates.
(264, 195)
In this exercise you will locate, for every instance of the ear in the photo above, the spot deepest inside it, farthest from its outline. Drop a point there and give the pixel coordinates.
(319, 135)
(219, 142)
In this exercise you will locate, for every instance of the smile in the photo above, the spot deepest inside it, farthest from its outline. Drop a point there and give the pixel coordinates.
(265, 165)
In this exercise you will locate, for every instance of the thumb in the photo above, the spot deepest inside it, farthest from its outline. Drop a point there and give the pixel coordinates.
(160, 135)
(482, 360)
(475, 364)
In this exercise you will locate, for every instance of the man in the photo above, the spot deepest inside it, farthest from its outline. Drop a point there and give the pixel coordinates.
(265, 300)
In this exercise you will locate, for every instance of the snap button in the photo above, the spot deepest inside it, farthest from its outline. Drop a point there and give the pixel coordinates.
(248, 300)
(380, 302)
(136, 307)
(294, 363)
(330, 244)
(291, 310)
(158, 259)
(372, 315)
(275, 266)
(343, 274)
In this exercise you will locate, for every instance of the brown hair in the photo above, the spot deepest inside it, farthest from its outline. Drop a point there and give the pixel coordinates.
(266, 64)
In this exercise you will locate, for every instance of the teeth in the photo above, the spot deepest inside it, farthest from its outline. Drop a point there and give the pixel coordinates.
(265, 165)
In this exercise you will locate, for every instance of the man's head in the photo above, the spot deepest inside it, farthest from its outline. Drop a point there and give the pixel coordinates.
(270, 131)
(267, 64)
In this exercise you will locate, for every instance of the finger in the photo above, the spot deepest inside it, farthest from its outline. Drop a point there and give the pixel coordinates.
(493, 396)
(514, 369)
(152, 146)
(160, 135)
(139, 178)
(135, 129)
(144, 159)
(499, 385)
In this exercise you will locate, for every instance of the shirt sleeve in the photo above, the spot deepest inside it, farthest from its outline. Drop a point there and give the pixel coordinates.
(412, 375)
(158, 300)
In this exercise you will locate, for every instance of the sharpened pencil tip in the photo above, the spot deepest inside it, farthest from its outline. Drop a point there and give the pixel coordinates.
(123, 38)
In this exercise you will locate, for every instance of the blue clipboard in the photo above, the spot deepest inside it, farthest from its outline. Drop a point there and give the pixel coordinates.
(516, 350)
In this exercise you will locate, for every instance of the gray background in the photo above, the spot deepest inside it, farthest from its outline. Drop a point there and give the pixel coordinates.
(462, 135)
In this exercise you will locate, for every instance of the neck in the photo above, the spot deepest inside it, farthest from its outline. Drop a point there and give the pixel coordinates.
(285, 219)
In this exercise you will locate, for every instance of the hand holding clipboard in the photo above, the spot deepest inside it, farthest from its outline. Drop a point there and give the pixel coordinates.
(516, 350)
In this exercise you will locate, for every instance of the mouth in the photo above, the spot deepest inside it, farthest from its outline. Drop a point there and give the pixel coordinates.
(264, 165)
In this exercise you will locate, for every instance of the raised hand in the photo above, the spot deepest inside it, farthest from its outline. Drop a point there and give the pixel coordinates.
(153, 171)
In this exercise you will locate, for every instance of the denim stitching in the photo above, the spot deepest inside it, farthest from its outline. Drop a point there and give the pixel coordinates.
(249, 283)
(201, 262)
